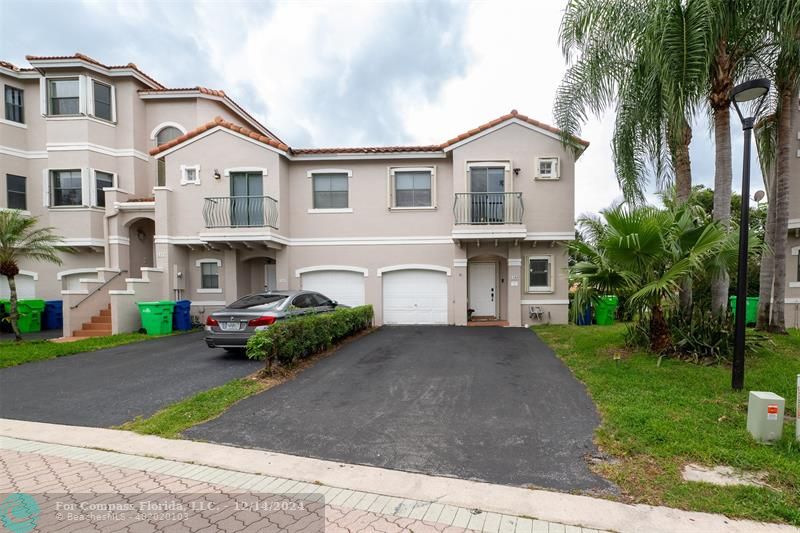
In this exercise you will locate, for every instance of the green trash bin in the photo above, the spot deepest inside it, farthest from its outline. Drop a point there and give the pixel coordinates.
(606, 310)
(156, 317)
(751, 309)
(30, 315)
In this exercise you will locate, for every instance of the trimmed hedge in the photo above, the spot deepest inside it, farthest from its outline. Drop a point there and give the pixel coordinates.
(287, 341)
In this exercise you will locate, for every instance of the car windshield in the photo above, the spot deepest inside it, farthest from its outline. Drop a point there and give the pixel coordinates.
(267, 301)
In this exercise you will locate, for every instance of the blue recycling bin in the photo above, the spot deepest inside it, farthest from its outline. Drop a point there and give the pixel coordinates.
(585, 318)
(53, 316)
(181, 318)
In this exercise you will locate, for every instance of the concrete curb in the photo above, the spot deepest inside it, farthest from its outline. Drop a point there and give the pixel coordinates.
(570, 509)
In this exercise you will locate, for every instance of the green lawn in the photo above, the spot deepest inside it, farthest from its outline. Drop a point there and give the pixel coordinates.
(172, 420)
(17, 353)
(657, 418)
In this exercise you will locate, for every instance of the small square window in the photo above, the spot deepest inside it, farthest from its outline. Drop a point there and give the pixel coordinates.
(190, 174)
(330, 191)
(547, 168)
(14, 104)
(539, 274)
(209, 276)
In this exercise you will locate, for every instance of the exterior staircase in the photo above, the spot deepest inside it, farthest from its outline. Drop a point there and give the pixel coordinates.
(100, 325)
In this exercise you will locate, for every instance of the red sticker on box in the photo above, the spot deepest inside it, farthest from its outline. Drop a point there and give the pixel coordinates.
(772, 412)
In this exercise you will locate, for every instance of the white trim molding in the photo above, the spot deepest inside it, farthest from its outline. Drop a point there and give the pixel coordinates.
(323, 268)
(550, 236)
(119, 239)
(73, 271)
(460, 263)
(30, 273)
(209, 291)
(544, 302)
(339, 241)
(794, 223)
(224, 130)
(208, 303)
(555, 175)
(227, 171)
(512, 120)
(23, 154)
(332, 210)
(515, 262)
(794, 284)
(310, 173)
(167, 124)
(395, 268)
(79, 241)
(218, 262)
(796, 250)
(97, 148)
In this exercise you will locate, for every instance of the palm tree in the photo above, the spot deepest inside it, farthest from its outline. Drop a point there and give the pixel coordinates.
(20, 240)
(766, 139)
(649, 60)
(645, 253)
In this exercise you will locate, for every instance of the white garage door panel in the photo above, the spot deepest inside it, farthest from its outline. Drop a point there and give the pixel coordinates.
(415, 297)
(345, 287)
(26, 287)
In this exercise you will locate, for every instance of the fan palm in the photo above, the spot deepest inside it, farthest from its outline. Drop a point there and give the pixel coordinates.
(21, 240)
(645, 253)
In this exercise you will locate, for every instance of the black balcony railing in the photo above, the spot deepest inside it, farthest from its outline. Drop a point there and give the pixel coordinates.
(488, 208)
(240, 212)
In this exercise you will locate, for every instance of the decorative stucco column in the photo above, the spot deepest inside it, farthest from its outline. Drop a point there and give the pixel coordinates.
(514, 285)
(161, 244)
(117, 254)
(459, 285)
(283, 275)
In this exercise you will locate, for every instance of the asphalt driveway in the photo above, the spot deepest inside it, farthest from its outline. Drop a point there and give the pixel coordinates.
(489, 404)
(111, 386)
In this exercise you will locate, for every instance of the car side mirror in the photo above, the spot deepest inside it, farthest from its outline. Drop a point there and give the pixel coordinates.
(333, 303)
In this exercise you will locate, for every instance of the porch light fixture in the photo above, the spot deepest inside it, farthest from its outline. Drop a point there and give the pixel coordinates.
(217, 175)
(749, 95)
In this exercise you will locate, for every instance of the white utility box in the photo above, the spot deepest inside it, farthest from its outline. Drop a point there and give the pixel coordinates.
(765, 416)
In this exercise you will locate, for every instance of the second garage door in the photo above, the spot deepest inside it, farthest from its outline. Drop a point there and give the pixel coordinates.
(415, 297)
(345, 287)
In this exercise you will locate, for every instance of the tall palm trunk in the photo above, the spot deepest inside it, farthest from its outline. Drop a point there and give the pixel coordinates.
(766, 276)
(660, 338)
(683, 189)
(721, 85)
(12, 286)
(788, 98)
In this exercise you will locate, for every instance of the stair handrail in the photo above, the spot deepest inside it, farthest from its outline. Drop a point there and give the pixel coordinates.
(106, 282)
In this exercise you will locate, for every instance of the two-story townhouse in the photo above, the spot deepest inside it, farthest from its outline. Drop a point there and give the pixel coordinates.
(793, 253)
(473, 229)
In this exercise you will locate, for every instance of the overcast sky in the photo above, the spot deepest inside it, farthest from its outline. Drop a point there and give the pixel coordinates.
(339, 74)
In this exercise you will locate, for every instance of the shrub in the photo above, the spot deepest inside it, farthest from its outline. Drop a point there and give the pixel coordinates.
(287, 341)
(700, 337)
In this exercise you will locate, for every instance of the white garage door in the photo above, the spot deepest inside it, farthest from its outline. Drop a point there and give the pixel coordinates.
(345, 287)
(26, 287)
(415, 297)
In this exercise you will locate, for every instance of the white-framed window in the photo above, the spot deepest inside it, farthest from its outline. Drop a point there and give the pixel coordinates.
(190, 174)
(539, 274)
(412, 187)
(14, 104)
(547, 168)
(102, 180)
(209, 275)
(66, 188)
(167, 134)
(16, 192)
(63, 96)
(102, 101)
(330, 190)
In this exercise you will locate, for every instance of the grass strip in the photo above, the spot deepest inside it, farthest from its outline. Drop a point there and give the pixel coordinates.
(17, 353)
(656, 418)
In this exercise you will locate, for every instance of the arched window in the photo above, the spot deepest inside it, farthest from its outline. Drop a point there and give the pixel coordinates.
(167, 134)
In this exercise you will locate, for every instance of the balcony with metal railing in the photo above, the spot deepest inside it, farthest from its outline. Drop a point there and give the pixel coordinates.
(240, 212)
(488, 215)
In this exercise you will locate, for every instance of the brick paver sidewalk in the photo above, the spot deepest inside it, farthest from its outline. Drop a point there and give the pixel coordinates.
(61, 478)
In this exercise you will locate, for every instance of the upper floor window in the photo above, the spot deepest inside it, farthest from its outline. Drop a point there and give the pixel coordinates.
(190, 174)
(63, 96)
(14, 104)
(16, 192)
(539, 273)
(330, 190)
(547, 168)
(102, 180)
(412, 188)
(66, 188)
(167, 134)
(102, 100)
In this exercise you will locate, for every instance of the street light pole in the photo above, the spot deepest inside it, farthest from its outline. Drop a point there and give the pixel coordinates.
(754, 90)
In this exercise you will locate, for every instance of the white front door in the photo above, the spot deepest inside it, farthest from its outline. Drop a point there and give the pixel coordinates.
(482, 290)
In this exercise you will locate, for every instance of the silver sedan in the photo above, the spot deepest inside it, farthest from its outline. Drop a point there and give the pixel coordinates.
(230, 328)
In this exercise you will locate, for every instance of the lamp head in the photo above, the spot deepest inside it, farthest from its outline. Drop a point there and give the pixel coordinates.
(750, 90)
(759, 195)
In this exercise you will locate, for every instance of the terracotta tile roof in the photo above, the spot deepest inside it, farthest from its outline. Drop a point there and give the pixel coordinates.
(513, 114)
(84, 57)
(204, 90)
(367, 150)
(12, 66)
(219, 121)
